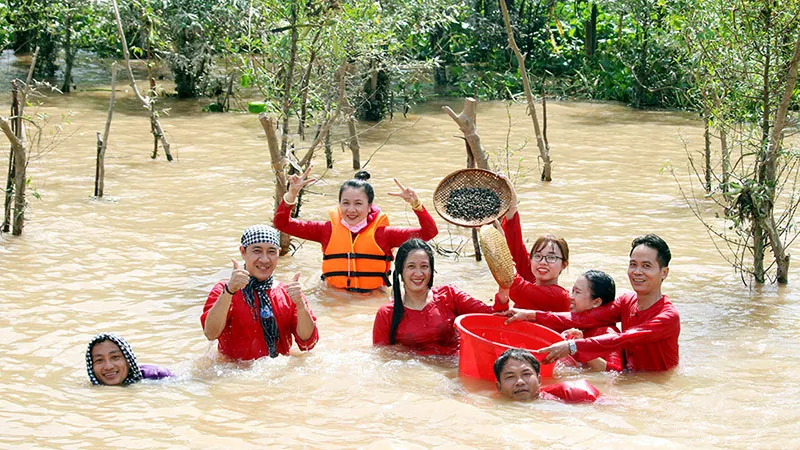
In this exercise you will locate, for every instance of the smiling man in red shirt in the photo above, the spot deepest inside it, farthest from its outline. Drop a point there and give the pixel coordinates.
(650, 322)
(251, 314)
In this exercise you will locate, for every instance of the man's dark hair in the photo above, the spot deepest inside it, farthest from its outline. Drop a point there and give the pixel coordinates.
(656, 243)
(518, 354)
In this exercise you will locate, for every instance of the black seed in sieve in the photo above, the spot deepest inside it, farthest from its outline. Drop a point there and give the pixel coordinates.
(472, 203)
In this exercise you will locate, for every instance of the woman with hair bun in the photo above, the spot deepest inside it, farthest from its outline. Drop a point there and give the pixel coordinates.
(357, 240)
(421, 316)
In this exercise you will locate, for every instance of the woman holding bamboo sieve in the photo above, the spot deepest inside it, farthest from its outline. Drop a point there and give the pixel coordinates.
(535, 285)
(357, 240)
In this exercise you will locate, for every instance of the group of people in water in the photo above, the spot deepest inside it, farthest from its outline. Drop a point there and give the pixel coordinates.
(252, 315)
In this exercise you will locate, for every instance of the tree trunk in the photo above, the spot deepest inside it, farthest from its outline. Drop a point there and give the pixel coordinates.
(353, 143)
(467, 124)
(475, 154)
(544, 150)
(328, 151)
(69, 53)
(277, 159)
(20, 162)
(775, 144)
(100, 171)
(10, 180)
(287, 85)
(707, 152)
(758, 252)
(476, 243)
(158, 132)
(590, 32)
(102, 143)
(301, 127)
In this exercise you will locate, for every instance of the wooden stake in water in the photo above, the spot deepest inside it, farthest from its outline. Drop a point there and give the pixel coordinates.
(102, 143)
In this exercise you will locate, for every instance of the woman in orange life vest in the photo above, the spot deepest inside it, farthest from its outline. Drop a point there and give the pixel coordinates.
(357, 240)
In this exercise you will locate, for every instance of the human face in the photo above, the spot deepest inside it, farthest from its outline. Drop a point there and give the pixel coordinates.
(354, 205)
(580, 298)
(417, 272)
(546, 273)
(644, 272)
(518, 381)
(260, 259)
(109, 364)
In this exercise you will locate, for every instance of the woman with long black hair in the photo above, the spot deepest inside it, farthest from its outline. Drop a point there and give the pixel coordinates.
(421, 315)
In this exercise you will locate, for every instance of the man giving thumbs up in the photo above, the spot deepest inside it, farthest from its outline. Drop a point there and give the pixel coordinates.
(250, 314)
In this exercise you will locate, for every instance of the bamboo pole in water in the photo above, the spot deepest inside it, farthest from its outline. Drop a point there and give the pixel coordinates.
(102, 143)
(544, 149)
(158, 132)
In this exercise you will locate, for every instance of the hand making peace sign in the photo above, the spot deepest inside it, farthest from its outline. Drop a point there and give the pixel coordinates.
(407, 194)
(296, 183)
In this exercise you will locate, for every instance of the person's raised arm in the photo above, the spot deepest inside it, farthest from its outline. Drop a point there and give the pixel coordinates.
(217, 316)
(393, 237)
(317, 231)
(296, 184)
(306, 325)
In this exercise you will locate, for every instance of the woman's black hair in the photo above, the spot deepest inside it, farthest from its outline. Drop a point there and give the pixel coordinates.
(601, 285)
(359, 181)
(399, 261)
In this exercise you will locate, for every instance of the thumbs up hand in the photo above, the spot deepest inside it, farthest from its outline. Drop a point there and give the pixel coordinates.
(296, 291)
(239, 277)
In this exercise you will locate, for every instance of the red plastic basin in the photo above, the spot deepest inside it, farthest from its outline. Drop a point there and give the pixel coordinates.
(484, 337)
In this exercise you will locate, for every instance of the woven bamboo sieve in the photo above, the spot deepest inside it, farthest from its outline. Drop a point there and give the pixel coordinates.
(479, 178)
(498, 256)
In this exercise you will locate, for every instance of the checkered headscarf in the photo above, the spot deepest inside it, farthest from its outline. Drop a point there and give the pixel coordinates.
(134, 374)
(261, 234)
(264, 314)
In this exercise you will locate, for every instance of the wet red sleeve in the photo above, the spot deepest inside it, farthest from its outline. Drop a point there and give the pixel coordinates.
(465, 303)
(576, 391)
(602, 315)
(522, 260)
(613, 358)
(660, 327)
(311, 230)
(389, 237)
(382, 325)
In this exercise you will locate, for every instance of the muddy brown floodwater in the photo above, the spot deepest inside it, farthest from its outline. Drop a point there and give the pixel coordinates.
(141, 262)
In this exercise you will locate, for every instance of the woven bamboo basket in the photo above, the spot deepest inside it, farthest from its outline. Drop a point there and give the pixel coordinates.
(474, 178)
(497, 255)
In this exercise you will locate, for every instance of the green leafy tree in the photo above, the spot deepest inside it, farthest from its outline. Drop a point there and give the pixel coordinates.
(746, 57)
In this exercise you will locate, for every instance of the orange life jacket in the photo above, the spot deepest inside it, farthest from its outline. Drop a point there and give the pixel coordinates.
(359, 264)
